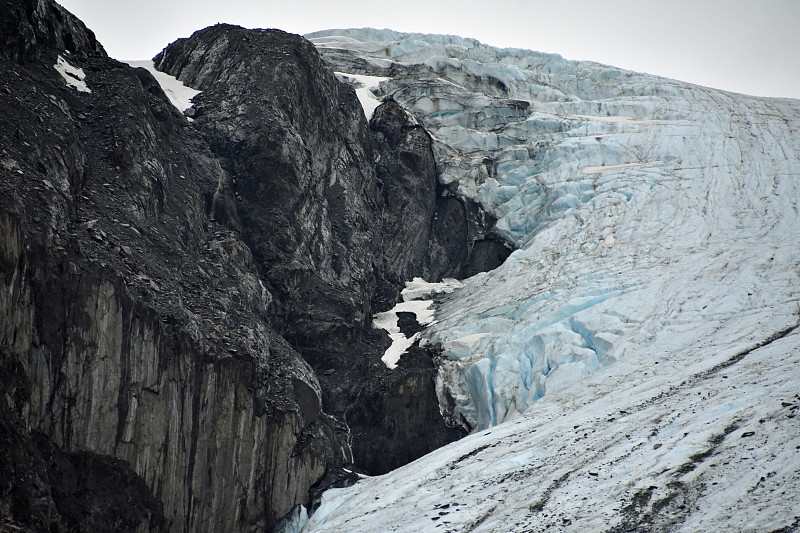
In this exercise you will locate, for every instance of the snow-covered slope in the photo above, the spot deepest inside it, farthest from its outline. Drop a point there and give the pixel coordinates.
(650, 308)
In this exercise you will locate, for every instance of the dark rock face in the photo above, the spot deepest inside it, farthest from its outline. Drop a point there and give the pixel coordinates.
(404, 163)
(28, 29)
(136, 327)
(364, 216)
(398, 411)
(185, 308)
(428, 231)
(303, 191)
(48, 489)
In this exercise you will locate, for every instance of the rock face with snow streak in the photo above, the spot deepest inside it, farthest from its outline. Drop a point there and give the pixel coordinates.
(338, 212)
(647, 326)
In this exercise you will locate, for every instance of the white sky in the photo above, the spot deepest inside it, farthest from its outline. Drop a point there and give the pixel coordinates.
(748, 46)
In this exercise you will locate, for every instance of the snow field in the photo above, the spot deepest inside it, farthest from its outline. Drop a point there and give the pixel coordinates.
(365, 90)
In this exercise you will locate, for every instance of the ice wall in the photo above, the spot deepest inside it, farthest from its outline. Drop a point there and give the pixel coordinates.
(652, 216)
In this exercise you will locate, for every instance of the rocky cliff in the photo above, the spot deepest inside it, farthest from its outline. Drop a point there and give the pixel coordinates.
(185, 307)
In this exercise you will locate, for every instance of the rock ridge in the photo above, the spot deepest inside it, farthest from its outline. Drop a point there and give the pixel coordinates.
(186, 307)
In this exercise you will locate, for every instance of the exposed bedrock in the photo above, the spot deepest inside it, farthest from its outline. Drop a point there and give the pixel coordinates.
(186, 308)
(134, 335)
(302, 190)
(429, 231)
(338, 212)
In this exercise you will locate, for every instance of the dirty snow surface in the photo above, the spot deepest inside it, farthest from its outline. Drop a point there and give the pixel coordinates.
(635, 365)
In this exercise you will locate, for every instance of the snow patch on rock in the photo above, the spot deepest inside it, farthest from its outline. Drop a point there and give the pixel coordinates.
(417, 299)
(365, 90)
(179, 94)
(73, 76)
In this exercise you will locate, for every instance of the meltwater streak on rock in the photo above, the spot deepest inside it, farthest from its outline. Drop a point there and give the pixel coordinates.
(630, 196)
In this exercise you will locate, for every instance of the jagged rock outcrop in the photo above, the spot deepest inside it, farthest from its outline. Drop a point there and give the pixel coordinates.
(185, 308)
(429, 230)
(133, 328)
(302, 191)
(30, 29)
(366, 213)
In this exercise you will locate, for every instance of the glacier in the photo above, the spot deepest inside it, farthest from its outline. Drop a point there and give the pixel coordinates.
(649, 214)
(635, 363)
(691, 444)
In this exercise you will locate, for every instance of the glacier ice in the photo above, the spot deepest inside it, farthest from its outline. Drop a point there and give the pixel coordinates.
(652, 216)
(294, 521)
(674, 442)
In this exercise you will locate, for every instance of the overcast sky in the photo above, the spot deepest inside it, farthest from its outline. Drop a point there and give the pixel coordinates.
(747, 46)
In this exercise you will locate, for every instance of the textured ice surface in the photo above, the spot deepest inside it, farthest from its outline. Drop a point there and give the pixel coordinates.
(704, 439)
(659, 230)
(653, 217)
